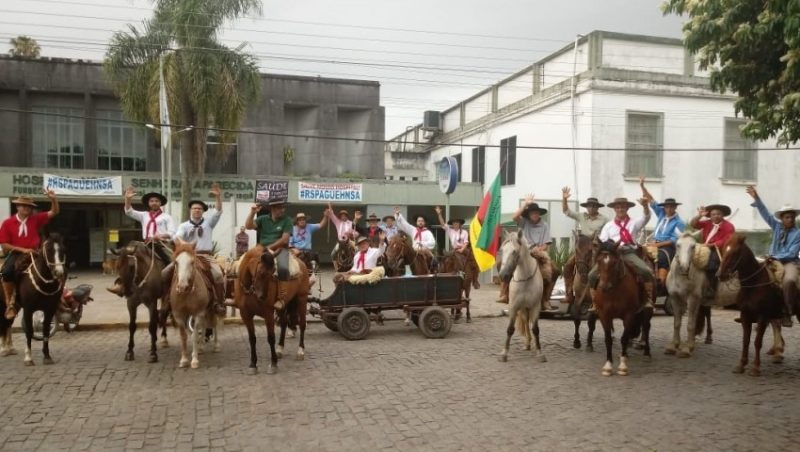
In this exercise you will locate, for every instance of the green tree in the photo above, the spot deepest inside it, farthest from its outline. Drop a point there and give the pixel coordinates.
(208, 84)
(24, 47)
(751, 48)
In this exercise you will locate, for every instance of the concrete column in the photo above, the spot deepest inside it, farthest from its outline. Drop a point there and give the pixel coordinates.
(25, 132)
(595, 50)
(537, 78)
(89, 133)
(462, 114)
(494, 98)
(688, 63)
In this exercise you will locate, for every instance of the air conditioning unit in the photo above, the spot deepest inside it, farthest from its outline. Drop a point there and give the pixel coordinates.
(432, 121)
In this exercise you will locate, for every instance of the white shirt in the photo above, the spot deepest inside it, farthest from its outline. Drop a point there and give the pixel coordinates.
(426, 238)
(164, 223)
(611, 230)
(370, 258)
(458, 238)
(187, 233)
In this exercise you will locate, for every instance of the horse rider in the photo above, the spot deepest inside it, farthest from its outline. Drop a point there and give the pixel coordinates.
(199, 229)
(389, 227)
(716, 231)
(344, 227)
(669, 228)
(785, 248)
(589, 223)
(459, 240)
(421, 237)
(19, 235)
(366, 258)
(622, 229)
(372, 230)
(300, 241)
(274, 231)
(157, 227)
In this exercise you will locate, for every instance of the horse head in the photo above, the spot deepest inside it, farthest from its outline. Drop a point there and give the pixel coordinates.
(609, 263)
(511, 249)
(265, 269)
(583, 252)
(184, 257)
(128, 265)
(398, 254)
(735, 252)
(54, 254)
(684, 253)
(344, 255)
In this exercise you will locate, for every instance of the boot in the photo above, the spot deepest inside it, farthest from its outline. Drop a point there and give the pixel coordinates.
(116, 289)
(548, 289)
(648, 293)
(280, 301)
(219, 298)
(8, 291)
(503, 293)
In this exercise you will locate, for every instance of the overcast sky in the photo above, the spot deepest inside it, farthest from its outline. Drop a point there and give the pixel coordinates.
(427, 54)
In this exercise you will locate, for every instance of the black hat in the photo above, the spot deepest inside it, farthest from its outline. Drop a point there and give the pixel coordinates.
(621, 201)
(146, 198)
(533, 207)
(277, 202)
(592, 201)
(372, 217)
(725, 209)
(453, 220)
(669, 202)
(197, 201)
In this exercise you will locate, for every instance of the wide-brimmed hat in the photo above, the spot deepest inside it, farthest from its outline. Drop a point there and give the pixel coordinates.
(361, 239)
(343, 211)
(533, 207)
(387, 216)
(722, 207)
(784, 209)
(146, 198)
(592, 201)
(372, 217)
(621, 201)
(456, 220)
(24, 201)
(299, 216)
(669, 202)
(197, 201)
(277, 202)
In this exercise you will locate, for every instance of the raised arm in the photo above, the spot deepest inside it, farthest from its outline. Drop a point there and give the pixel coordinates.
(440, 217)
(54, 207)
(761, 207)
(695, 221)
(250, 222)
(518, 213)
(402, 224)
(324, 221)
(332, 216)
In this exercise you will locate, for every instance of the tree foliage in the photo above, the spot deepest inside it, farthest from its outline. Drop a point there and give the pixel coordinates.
(751, 48)
(24, 47)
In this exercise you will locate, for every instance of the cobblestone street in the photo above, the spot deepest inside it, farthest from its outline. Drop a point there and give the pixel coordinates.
(398, 390)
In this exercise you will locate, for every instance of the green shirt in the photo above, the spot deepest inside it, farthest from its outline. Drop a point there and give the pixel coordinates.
(270, 231)
(588, 226)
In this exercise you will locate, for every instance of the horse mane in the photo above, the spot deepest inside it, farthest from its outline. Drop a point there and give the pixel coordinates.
(183, 247)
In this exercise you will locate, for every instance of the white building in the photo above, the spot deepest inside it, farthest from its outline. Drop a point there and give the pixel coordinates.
(631, 105)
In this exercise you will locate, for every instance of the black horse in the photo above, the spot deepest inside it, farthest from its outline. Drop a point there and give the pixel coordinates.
(583, 300)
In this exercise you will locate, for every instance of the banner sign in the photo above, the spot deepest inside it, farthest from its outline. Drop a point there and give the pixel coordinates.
(272, 190)
(313, 191)
(90, 186)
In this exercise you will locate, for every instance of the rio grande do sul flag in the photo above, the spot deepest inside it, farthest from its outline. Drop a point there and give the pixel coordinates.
(484, 230)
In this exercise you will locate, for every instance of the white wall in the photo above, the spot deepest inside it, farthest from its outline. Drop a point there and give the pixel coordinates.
(515, 89)
(643, 56)
(478, 107)
(560, 68)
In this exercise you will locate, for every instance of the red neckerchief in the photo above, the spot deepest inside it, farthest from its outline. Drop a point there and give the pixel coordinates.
(152, 222)
(624, 233)
(360, 263)
(373, 231)
(418, 235)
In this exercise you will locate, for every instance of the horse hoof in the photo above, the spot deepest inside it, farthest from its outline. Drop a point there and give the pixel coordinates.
(279, 353)
(290, 334)
(754, 372)
(253, 370)
(152, 359)
(777, 359)
(622, 372)
(47, 361)
(29, 363)
(684, 354)
(503, 358)
(163, 344)
(5, 352)
(183, 363)
(271, 369)
(605, 373)
(129, 356)
(709, 340)
(638, 346)
(216, 348)
(195, 364)
(576, 345)
(542, 358)
(589, 348)
(771, 351)
(670, 351)
(738, 370)
(469, 320)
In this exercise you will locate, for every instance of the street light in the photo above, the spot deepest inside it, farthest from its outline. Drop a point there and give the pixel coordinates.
(166, 160)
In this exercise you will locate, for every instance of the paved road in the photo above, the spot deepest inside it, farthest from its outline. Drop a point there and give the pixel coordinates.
(398, 390)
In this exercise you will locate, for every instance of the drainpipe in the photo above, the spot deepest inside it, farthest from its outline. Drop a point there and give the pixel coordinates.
(574, 117)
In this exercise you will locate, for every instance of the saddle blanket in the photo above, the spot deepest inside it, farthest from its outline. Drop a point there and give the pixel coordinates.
(375, 275)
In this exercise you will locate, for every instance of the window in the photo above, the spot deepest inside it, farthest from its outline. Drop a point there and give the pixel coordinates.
(216, 162)
(508, 161)
(478, 164)
(740, 159)
(644, 144)
(58, 137)
(120, 146)
(458, 165)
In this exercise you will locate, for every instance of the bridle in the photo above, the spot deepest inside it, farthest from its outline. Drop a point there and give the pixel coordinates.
(135, 258)
(33, 272)
(619, 266)
(192, 271)
(760, 268)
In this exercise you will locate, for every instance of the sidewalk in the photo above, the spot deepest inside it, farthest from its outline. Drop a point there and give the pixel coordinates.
(109, 311)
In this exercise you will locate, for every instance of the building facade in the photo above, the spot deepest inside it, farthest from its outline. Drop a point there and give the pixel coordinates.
(595, 116)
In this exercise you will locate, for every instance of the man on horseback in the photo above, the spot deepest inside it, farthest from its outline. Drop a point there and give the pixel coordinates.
(669, 228)
(785, 248)
(716, 231)
(389, 227)
(274, 230)
(157, 227)
(459, 241)
(589, 224)
(344, 227)
(622, 229)
(422, 239)
(372, 230)
(300, 241)
(19, 235)
(199, 229)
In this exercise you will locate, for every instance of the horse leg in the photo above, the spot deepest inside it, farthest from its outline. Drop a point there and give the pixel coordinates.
(677, 317)
(777, 342)
(48, 320)
(184, 362)
(152, 327)
(512, 318)
(216, 322)
(539, 355)
(198, 339)
(747, 327)
(576, 338)
(129, 356)
(27, 319)
(284, 318)
(273, 357)
(755, 370)
(706, 311)
(691, 323)
(163, 316)
(592, 322)
(302, 307)
(647, 316)
(251, 336)
(625, 340)
(609, 365)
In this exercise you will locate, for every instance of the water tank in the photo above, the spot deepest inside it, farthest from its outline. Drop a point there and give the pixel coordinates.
(432, 121)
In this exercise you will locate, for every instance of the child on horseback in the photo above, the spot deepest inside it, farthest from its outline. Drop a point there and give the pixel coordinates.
(459, 241)
(785, 248)
(19, 235)
(589, 223)
(669, 228)
(622, 229)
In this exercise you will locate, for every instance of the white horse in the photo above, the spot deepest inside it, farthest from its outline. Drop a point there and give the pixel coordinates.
(685, 283)
(524, 292)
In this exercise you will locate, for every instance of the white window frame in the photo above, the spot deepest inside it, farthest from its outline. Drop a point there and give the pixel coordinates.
(634, 149)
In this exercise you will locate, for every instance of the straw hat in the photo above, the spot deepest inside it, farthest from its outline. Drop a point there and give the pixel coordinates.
(24, 201)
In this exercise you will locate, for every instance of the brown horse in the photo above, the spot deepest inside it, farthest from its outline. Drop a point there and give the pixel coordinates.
(462, 262)
(40, 288)
(400, 253)
(619, 296)
(343, 258)
(262, 303)
(760, 300)
(139, 270)
(583, 298)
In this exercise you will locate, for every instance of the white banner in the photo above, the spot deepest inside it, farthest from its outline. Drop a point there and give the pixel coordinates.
(313, 191)
(95, 186)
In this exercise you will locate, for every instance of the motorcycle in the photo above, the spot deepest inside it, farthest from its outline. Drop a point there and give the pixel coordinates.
(69, 311)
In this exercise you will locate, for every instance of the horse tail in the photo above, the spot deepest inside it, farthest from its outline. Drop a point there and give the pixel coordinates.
(523, 322)
(700, 322)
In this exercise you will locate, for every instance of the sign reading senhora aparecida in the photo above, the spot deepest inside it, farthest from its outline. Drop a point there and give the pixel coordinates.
(89, 186)
(322, 191)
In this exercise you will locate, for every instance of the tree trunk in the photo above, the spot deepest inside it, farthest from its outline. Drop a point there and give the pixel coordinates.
(187, 171)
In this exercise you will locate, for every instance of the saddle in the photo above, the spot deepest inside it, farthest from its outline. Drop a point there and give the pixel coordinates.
(701, 256)
(545, 266)
(775, 271)
(293, 267)
(204, 263)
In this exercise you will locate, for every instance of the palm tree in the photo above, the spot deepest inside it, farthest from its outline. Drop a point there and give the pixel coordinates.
(209, 85)
(24, 47)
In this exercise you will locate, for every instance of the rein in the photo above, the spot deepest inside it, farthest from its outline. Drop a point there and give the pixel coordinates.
(33, 273)
(149, 269)
(761, 267)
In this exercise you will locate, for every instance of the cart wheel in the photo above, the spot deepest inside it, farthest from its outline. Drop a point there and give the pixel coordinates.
(353, 324)
(435, 322)
(331, 323)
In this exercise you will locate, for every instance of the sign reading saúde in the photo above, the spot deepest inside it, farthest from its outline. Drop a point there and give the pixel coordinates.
(90, 186)
(272, 190)
(447, 174)
(321, 191)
